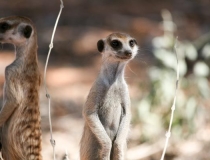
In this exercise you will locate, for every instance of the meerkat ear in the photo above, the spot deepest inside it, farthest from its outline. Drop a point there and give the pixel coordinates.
(27, 31)
(100, 45)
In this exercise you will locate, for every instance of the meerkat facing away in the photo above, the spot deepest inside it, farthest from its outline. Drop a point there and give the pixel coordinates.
(20, 115)
(107, 109)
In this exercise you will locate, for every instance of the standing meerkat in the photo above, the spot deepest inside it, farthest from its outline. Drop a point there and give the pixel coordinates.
(107, 111)
(20, 115)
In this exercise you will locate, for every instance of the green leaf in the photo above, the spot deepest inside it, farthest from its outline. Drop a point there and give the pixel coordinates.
(190, 51)
(201, 69)
(203, 86)
(191, 108)
(206, 51)
(166, 57)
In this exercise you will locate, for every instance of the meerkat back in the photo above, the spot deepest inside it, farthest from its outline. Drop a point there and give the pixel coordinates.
(20, 115)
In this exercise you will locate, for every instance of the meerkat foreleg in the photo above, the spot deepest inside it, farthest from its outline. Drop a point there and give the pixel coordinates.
(98, 130)
(6, 111)
(119, 144)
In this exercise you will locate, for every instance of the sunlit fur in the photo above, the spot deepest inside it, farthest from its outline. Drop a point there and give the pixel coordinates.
(107, 109)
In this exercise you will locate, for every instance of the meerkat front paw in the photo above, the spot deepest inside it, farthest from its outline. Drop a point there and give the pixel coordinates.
(106, 150)
(118, 149)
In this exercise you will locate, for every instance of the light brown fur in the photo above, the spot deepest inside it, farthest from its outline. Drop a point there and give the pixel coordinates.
(107, 111)
(20, 115)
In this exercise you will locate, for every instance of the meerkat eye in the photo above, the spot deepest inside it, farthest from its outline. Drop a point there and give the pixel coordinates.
(116, 44)
(4, 26)
(131, 43)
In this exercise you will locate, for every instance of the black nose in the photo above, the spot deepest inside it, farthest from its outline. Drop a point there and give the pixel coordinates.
(128, 53)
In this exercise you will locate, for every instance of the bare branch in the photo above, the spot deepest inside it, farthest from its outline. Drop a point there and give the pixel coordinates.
(168, 133)
(52, 141)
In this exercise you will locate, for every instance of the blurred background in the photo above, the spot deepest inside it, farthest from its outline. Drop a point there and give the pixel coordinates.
(75, 62)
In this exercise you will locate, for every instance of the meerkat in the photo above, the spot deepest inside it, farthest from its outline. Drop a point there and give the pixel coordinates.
(107, 111)
(20, 115)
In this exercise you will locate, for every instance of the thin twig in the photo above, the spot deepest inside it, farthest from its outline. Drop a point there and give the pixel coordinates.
(66, 156)
(1, 158)
(52, 141)
(168, 133)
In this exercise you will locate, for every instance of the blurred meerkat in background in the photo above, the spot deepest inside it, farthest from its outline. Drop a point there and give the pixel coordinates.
(20, 115)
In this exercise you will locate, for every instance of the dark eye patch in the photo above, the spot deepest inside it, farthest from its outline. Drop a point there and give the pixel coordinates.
(116, 44)
(27, 31)
(132, 42)
(4, 27)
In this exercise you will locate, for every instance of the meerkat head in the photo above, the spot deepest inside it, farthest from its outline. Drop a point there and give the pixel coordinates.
(118, 46)
(15, 30)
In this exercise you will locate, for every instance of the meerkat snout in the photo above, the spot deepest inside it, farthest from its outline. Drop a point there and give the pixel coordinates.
(128, 53)
(120, 46)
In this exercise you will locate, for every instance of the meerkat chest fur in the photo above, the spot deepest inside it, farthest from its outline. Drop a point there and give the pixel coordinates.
(113, 95)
